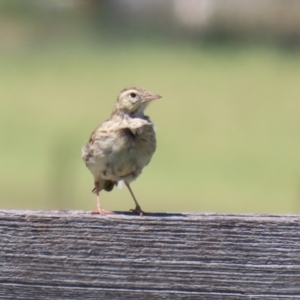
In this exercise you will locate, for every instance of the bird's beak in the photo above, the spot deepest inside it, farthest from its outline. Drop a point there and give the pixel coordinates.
(151, 97)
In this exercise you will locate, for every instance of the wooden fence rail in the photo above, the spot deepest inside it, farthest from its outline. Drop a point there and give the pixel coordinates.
(75, 255)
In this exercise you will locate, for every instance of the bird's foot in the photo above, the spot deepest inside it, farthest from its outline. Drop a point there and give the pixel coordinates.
(101, 211)
(138, 210)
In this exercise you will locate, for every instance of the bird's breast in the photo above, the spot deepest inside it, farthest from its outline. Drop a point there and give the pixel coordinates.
(133, 151)
(141, 141)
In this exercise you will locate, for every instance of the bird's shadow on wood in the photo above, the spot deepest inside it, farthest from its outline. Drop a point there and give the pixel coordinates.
(149, 214)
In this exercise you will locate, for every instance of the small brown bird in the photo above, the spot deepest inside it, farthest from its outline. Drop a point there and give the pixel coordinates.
(123, 145)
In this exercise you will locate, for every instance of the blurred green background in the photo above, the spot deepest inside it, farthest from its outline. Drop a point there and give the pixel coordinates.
(227, 126)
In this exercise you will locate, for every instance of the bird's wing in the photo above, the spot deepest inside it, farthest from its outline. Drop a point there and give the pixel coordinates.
(99, 143)
(101, 131)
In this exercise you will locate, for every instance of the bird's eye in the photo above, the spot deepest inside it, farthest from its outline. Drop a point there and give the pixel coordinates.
(133, 95)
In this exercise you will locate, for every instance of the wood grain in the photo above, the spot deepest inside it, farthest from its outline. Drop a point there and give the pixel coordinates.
(76, 255)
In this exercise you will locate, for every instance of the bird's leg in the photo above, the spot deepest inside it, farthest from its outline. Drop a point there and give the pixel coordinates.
(137, 206)
(99, 209)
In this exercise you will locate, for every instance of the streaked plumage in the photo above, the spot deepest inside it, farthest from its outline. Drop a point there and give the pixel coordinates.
(122, 146)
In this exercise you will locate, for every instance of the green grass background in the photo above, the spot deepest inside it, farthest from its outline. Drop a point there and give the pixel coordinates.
(228, 126)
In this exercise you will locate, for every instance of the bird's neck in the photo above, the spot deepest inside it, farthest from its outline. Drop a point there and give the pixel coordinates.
(123, 113)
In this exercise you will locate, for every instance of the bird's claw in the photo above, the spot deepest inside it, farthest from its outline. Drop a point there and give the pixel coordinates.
(138, 210)
(101, 211)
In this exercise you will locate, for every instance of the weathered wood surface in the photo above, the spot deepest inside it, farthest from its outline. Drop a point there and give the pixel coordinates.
(75, 255)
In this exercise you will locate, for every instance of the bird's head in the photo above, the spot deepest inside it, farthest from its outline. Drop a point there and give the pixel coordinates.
(134, 100)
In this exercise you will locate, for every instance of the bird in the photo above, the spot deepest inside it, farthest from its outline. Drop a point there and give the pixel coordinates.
(120, 147)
